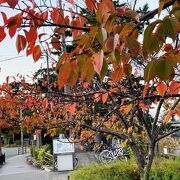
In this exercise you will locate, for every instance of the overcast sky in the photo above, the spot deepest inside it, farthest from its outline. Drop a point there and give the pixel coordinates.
(12, 63)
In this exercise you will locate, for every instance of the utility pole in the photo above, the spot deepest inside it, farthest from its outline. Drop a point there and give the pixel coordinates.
(22, 135)
(48, 75)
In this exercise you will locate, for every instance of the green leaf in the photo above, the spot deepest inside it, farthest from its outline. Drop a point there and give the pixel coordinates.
(150, 71)
(171, 25)
(132, 14)
(148, 36)
(163, 69)
(128, 69)
(103, 70)
(161, 5)
(101, 35)
(133, 46)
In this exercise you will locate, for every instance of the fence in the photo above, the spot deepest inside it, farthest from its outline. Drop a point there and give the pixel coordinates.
(22, 150)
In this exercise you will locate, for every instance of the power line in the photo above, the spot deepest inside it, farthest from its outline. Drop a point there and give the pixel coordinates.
(9, 59)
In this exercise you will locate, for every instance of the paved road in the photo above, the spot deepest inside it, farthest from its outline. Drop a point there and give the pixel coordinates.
(10, 152)
(16, 168)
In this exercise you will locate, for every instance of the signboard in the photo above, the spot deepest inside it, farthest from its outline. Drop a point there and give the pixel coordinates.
(62, 146)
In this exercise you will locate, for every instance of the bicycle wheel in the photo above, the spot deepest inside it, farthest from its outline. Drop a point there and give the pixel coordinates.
(106, 156)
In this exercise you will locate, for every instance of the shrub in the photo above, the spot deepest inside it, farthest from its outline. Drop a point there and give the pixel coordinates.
(113, 171)
(39, 154)
(121, 170)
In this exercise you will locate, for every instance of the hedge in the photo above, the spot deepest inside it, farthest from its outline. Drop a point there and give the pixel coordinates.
(121, 170)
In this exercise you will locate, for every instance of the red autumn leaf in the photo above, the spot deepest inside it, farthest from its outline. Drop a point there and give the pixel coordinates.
(145, 89)
(12, 31)
(98, 61)
(29, 49)
(161, 89)
(31, 35)
(72, 108)
(36, 53)
(4, 18)
(12, 3)
(20, 43)
(2, 1)
(174, 87)
(104, 97)
(57, 16)
(2, 33)
(167, 47)
(90, 5)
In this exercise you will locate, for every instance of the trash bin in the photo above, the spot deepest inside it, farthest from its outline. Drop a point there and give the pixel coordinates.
(63, 149)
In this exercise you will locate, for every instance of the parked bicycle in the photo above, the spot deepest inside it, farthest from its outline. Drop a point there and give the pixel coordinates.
(111, 154)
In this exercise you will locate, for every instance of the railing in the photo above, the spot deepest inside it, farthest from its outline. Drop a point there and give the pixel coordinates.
(22, 150)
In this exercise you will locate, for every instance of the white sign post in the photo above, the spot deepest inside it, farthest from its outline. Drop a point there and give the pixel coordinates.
(64, 150)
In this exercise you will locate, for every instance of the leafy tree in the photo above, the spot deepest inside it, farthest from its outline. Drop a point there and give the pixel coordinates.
(117, 77)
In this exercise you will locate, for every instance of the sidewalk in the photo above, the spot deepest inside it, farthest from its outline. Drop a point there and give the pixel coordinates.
(16, 168)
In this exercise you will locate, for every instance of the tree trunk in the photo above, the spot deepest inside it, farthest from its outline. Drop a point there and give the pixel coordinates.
(0, 144)
(140, 156)
(149, 161)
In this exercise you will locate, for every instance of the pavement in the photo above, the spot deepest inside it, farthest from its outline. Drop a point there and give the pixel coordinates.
(17, 168)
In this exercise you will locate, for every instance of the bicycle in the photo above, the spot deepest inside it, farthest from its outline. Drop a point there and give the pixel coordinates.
(111, 154)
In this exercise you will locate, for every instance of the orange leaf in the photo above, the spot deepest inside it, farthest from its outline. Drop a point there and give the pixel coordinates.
(174, 87)
(20, 43)
(45, 103)
(36, 53)
(72, 108)
(64, 73)
(129, 129)
(127, 109)
(168, 116)
(98, 61)
(117, 74)
(145, 89)
(143, 106)
(104, 97)
(161, 89)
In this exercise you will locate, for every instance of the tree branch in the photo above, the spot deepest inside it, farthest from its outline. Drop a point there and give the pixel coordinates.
(165, 135)
(156, 118)
(151, 14)
(106, 131)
